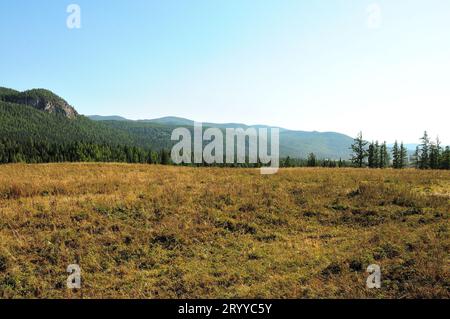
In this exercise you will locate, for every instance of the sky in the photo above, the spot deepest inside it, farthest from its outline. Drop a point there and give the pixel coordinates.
(382, 67)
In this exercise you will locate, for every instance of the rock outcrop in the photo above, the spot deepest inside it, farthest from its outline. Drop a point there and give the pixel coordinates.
(40, 99)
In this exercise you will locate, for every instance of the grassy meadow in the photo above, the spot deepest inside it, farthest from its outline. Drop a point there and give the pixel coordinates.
(147, 231)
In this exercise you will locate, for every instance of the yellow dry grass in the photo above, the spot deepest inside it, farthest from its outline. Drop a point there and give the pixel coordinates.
(141, 231)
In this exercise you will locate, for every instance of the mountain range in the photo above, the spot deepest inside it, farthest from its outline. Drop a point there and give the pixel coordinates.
(41, 115)
(296, 144)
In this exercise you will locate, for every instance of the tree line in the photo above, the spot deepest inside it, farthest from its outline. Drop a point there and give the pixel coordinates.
(35, 152)
(313, 161)
(428, 155)
(30, 151)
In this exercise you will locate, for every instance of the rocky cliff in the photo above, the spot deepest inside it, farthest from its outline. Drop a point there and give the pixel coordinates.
(40, 99)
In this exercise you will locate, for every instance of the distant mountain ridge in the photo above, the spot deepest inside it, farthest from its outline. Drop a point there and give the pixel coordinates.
(107, 118)
(178, 121)
(296, 144)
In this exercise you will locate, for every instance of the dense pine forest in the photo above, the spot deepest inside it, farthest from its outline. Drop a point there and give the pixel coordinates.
(30, 151)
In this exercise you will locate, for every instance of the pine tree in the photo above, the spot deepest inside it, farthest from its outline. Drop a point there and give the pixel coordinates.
(417, 157)
(424, 156)
(164, 157)
(312, 160)
(376, 155)
(371, 155)
(403, 156)
(150, 157)
(384, 156)
(287, 162)
(445, 161)
(435, 154)
(396, 156)
(359, 150)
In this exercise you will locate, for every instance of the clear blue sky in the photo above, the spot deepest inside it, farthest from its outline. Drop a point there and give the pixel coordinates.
(306, 65)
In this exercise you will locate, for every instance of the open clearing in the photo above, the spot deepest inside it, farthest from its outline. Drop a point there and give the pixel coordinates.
(145, 231)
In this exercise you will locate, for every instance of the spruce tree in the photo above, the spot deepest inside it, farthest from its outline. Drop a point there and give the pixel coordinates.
(150, 157)
(403, 156)
(445, 162)
(396, 156)
(376, 155)
(435, 154)
(359, 150)
(287, 162)
(164, 157)
(417, 157)
(424, 157)
(371, 155)
(384, 156)
(312, 160)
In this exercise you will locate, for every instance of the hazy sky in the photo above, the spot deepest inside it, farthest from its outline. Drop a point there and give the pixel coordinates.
(324, 65)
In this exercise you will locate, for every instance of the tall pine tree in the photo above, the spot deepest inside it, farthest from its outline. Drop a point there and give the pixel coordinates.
(424, 155)
(371, 155)
(384, 156)
(403, 159)
(359, 150)
(396, 156)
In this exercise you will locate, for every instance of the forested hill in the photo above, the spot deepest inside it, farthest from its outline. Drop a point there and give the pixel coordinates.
(40, 116)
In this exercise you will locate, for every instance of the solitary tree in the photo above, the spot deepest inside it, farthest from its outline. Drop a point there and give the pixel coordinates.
(359, 150)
